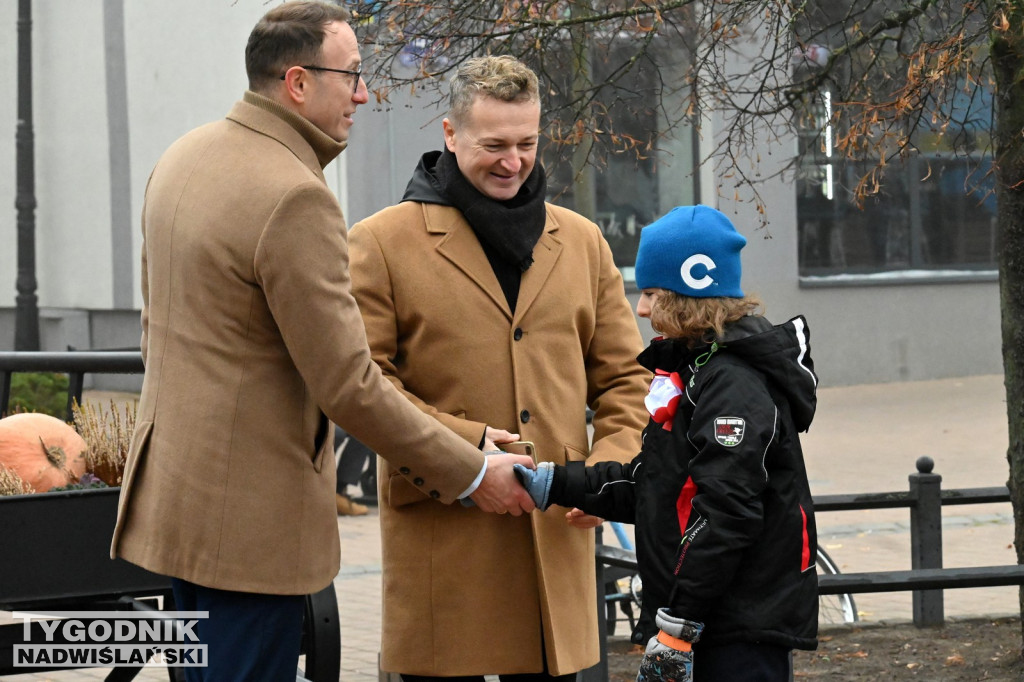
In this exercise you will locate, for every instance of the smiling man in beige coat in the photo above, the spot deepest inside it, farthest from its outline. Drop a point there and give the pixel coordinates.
(252, 342)
(497, 313)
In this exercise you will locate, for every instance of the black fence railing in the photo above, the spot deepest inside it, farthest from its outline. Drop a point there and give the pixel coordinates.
(927, 577)
(76, 364)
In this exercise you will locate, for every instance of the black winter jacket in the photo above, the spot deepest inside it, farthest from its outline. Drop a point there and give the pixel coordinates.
(725, 530)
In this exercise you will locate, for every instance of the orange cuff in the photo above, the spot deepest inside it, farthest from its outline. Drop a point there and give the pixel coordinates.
(674, 642)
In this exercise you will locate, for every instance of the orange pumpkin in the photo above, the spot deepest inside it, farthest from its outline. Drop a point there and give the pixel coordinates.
(43, 450)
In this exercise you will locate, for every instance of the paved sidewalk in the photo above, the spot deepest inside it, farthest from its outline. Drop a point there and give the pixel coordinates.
(864, 439)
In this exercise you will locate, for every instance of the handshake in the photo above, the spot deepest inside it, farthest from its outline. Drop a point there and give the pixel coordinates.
(523, 474)
(537, 482)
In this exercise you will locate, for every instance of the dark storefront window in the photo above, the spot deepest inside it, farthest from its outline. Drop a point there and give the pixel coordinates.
(935, 211)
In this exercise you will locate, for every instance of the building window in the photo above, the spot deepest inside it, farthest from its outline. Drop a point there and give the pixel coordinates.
(935, 211)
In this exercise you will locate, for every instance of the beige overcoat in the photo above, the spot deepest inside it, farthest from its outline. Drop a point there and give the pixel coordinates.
(251, 341)
(465, 592)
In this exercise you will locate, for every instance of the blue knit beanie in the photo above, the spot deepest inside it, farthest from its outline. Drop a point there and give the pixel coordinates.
(693, 251)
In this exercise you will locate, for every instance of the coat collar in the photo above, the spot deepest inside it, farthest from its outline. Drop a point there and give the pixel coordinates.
(311, 145)
(460, 246)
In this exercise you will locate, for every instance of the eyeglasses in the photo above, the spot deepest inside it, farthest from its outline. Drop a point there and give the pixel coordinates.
(355, 74)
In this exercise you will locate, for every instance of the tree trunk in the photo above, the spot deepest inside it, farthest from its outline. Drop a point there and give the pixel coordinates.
(1008, 60)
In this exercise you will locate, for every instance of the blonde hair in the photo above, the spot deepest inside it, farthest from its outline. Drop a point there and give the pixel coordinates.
(504, 78)
(699, 320)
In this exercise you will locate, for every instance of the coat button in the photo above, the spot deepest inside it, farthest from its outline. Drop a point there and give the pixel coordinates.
(434, 494)
(417, 481)
(524, 416)
(518, 333)
(404, 471)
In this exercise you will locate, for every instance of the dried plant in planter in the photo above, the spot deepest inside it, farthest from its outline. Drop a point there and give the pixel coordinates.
(12, 484)
(108, 433)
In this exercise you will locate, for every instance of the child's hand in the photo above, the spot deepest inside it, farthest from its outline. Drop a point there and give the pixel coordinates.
(537, 482)
(669, 654)
(577, 518)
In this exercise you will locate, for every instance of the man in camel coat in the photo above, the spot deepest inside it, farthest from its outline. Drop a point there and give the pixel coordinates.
(503, 317)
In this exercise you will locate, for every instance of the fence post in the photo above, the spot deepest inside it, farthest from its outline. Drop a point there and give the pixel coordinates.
(926, 539)
(599, 672)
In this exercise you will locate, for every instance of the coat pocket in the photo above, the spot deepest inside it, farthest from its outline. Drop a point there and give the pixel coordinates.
(325, 447)
(136, 452)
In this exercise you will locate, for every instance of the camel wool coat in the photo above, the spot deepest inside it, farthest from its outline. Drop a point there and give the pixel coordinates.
(252, 341)
(468, 593)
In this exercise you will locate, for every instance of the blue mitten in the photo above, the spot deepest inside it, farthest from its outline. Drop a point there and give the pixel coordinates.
(669, 656)
(537, 482)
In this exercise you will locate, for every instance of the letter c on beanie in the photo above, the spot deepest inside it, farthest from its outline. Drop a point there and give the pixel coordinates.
(693, 251)
(686, 272)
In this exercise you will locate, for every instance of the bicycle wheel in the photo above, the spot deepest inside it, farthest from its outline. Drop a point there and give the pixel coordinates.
(833, 608)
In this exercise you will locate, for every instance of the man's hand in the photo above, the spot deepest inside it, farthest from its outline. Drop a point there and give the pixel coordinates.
(669, 656)
(500, 491)
(494, 437)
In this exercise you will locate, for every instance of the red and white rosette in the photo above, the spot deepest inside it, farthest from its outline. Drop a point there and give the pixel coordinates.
(663, 398)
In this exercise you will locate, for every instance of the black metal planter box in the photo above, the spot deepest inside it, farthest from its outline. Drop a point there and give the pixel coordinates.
(55, 549)
(55, 554)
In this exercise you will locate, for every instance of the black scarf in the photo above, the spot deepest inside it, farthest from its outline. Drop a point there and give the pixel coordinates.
(508, 229)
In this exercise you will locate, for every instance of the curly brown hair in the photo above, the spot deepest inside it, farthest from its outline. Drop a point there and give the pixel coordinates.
(699, 320)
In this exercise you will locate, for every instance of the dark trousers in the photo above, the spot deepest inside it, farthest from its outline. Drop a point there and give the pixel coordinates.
(251, 637)
(525, 677)
(742, 662)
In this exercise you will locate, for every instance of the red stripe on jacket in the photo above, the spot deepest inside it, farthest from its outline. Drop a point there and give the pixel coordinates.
(805, 554)
(684, 504)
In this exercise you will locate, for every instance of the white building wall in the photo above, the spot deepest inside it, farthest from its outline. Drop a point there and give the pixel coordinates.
(73, 255)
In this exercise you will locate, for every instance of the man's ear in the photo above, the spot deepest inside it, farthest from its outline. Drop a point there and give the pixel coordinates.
(449, 135)
(295, 84)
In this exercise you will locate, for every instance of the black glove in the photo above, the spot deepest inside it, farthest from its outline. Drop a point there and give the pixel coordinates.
(669, 657)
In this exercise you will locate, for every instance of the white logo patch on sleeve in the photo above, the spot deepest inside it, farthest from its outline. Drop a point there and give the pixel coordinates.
(729, 431)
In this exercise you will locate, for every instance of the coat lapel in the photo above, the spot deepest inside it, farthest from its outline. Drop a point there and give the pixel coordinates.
(545, 255)
(462, 248)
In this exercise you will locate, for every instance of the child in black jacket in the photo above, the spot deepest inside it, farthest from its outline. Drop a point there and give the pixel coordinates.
(725, 535)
